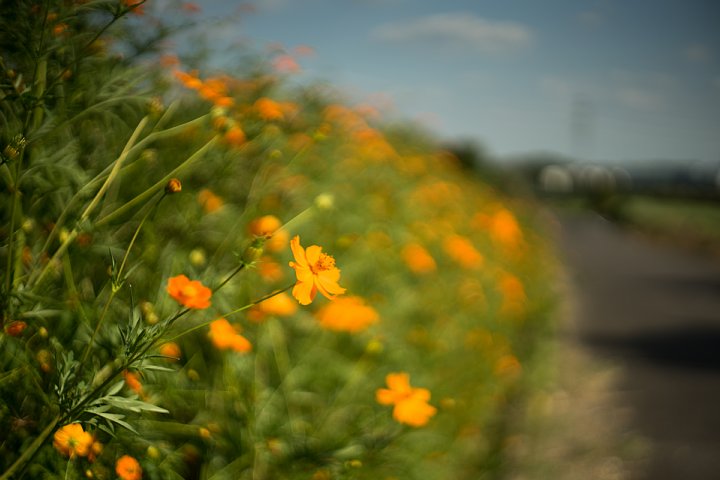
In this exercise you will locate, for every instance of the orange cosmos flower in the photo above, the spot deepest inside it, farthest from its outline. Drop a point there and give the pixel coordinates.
(418, 259)
(411, 405)
(268, 109)
(315, 271)
(171, 350)
(280, 304)
(190, 293)
(209, 201)
(226, 337)
(127, 468)
(190, 80)
(132, 380)
(347, 314)
(15, 328)
(269, 270)
(72, 440)
(235, 136)
(463, 252)
(505, 230)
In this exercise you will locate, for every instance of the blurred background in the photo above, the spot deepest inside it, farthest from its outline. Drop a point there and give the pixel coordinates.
(607, 110)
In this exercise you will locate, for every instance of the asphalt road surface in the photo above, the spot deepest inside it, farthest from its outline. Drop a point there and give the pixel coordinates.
(655, 309)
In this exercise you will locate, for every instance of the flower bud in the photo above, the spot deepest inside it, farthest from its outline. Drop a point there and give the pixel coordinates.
(15, 328)
(173, 186)
(254, 250)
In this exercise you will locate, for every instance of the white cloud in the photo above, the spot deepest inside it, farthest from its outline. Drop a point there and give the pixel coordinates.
(458, 30)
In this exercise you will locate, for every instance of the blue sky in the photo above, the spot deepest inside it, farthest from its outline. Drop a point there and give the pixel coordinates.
(599, 79)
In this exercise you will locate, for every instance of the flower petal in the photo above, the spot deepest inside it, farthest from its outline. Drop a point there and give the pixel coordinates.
(304, 292)
(313, 254)
(298, 251)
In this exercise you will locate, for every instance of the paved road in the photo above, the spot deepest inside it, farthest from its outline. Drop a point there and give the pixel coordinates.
(656, 310)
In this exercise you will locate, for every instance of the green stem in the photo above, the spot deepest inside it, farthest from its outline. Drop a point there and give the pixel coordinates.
(205, 324)
(229, 277)
(158, 186)
(35, 281)
(118, 278)
(93, 184)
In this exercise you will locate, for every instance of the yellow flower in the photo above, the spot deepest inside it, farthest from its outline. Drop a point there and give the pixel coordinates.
(72, 440)
(225, 337)
(348, 314)
(315, 271)
(127, 468)
(411, 405)
(190, 293)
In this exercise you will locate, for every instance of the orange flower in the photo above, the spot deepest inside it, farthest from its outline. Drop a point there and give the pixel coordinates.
(95, 450)
(280, 304)
(132, 380)
(209, 201)
(171, 350)
(127, 468)
(268, 109)
(72, 440)
(505, 230)
(463, 252)
(226, 337)
(411, 405)
(513, 295)
(190, 293)
(315, 271)
(15, 328)
(418, 259)
(269, 270)
(235, 136)
(347, 314)
(188, 79)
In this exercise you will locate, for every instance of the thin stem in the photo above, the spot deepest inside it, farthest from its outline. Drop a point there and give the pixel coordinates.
(137, 232)
(35, 281)
(118, 277)
(230, 276)
(157, 186)
(205, 324)
(102, 175)
(115, 169)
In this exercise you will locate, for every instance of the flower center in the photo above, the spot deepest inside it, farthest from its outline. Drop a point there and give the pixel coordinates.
(325, 262)
(189, 291)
